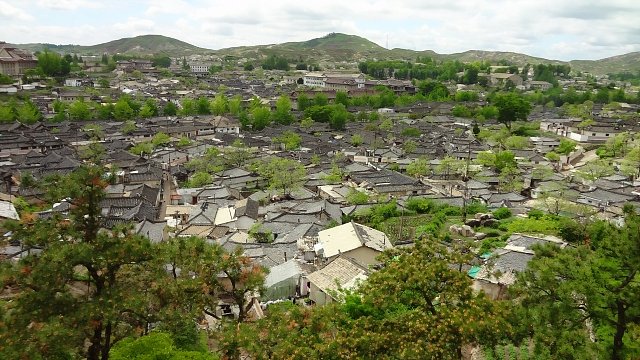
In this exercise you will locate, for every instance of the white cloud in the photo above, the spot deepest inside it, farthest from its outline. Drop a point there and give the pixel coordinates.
(11, 12)
(135, 26)
(69, 4)
(547, 28)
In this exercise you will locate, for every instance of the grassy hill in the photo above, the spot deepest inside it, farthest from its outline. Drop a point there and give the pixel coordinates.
(331, 48)
(622, 63)
(494, 56)
(342, 47)
(139, 45)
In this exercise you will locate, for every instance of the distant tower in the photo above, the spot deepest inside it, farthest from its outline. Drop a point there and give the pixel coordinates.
(387, 41)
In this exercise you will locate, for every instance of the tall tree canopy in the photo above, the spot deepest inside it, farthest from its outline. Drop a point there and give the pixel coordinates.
(511, 107)
(582, 302)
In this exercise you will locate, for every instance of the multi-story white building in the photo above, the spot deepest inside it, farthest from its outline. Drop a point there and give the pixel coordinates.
(338, 81)
(199, 68)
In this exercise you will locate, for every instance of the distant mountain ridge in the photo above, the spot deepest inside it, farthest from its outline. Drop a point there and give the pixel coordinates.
(332, 47)
(139, 45)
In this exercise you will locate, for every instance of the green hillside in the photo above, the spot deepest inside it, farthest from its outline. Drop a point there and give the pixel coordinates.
(138, 45)
(331, 48)
(622, 63)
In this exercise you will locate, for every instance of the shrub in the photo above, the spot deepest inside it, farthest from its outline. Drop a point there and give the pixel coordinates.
(502, 213)
(475, 207)
(535, 214)
(420, 205)
(451, 211)
(490, 244)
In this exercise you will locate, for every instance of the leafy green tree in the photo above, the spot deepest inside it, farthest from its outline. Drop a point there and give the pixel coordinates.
(183, 142)
(488, 112)
(306, 123)
(28, 113)
(356, 197)
(219, 105)
(275, 62)
(156, 345)
(237, 154)
(282, 113)
(283, 174)
(616, 146)
(160, 139)
(320, 99)
(516, 142)
(122, 110)
(497, 160)
(461, 111)
(105, 112)
(342, 98)
(7, 113)
(142, 148)
(291, 140)
(200, 179)
(409, 146)
(79, 111)
(511, 107)
(338, 117)
(162, 61)
(50, 63)
(566, 146)
(95, 131)
(234, 106)
(386, 125)
(417, 299)
(449, 166)
(411, 132)
(356, 140)
(170, 109)
(596, 169)
(81, 292)
(510, 179)
(202, 106)
(567, 296)
(148, 109)
(419, 167)
(260, 117)
(189, 107)
(128, 127)
(203, 273)
(433, 90)
(303, 102)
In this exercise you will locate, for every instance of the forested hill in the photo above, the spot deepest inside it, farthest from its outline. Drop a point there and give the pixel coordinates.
(334, 47)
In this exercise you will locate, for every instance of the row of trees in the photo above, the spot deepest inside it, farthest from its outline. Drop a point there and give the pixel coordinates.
(602, 95)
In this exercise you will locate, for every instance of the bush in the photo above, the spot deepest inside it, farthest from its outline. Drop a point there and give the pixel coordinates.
(502, 213)
(451, 211)
(535, 214)
(420, 205)
(488, 245)
(492, 234)
(548, 225)
(475, 207)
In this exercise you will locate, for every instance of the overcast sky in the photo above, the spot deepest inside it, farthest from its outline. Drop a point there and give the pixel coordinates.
(553, 29)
